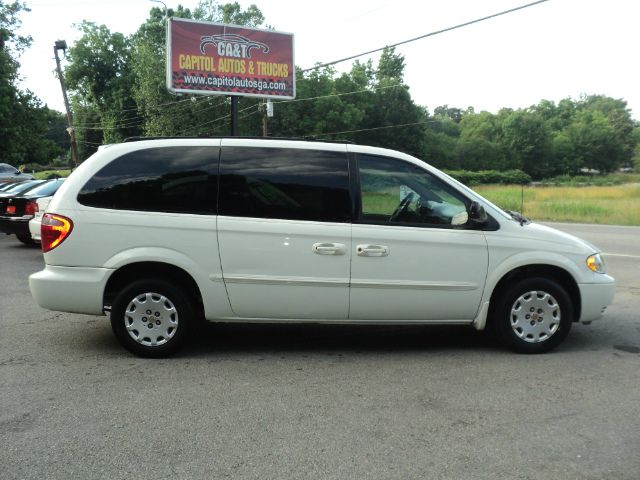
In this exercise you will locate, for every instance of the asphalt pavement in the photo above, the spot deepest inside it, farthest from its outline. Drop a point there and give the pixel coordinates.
(319, 402)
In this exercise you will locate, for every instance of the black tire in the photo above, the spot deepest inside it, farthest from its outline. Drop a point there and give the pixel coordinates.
(171, 318)
(533, 331)
(25, 238)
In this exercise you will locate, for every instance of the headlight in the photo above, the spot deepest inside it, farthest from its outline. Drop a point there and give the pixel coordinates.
(595, 263)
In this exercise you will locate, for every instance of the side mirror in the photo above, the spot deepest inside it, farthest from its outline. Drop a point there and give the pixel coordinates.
(477, 214)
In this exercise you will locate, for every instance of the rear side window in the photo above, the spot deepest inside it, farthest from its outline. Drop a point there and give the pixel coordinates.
(284, 183)
(170, 179)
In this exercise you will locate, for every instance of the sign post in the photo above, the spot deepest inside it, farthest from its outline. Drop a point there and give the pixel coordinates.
(205, 58)
(234, 115)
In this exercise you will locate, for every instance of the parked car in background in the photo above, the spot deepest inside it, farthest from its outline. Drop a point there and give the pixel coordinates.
(162, 233)
(9, 172)
(19, 187)
(35, 224)
(16, 211)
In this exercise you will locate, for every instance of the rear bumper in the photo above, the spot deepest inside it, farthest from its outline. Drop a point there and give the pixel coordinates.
(596, 297)
(15, 225)
(34, 227)
(70, 289)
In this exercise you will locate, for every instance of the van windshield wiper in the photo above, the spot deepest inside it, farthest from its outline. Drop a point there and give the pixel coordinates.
(518, 217)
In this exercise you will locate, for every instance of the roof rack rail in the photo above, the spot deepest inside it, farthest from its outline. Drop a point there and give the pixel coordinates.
(306, 139)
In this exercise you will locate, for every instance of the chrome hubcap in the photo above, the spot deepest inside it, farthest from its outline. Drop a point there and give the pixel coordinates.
(535, 316)
(151, 319)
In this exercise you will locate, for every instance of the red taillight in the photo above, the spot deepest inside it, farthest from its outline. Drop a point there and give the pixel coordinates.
(11, 210)
(30, 208)
(54, 229)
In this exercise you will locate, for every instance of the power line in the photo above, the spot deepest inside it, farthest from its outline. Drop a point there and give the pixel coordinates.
(126, 124)
(425, 122)
(161, 105)
(197, 127)
(219, 119)
(431, 34)
(373, 89)
(138, 109)
(137, 123)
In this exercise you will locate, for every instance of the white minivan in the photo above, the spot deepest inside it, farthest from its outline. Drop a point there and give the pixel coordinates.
(161, 233)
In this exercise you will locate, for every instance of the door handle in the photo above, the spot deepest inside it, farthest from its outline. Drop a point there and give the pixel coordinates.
(324, 248)
(372, 250)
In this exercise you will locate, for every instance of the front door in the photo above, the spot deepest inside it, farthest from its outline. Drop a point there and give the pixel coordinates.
(414, 257)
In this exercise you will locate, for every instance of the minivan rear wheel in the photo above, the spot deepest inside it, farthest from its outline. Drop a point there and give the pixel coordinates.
(534, 315)
(151, 318)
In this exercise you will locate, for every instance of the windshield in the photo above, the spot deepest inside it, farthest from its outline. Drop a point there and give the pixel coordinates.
(5, 168)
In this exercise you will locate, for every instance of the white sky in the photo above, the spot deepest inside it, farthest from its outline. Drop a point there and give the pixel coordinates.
(549, 51)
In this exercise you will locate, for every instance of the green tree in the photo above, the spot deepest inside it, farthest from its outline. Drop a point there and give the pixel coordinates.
(483, 125)
(391, 117)
(451, 113)
(229, 13)
(26, 126)
(476, 153)
(99, 75)
(528, 140)
(12, 102)
(440, 150)
(635, 160)
(594, 143)
(320, 108)
(618, 117)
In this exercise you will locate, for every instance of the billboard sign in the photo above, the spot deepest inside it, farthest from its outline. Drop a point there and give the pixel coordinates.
(215, 59)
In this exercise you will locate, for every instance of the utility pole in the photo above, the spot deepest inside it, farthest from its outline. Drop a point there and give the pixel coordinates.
(234, 115)
(267, 111)
(62, 45)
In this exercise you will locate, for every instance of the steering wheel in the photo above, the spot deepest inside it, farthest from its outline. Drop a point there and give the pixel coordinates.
(402, 206)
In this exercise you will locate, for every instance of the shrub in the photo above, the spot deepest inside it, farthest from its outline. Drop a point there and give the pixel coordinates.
(484, 177)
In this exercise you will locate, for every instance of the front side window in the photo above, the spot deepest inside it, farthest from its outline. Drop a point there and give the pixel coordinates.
(168, 179)
(284, 183)
(397, 192)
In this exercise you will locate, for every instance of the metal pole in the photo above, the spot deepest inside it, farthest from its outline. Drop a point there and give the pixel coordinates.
(74, 145)
(263, 107)
(234, 116)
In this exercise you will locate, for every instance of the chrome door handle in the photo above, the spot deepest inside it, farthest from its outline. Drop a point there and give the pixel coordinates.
(325, 248)
(372, 250)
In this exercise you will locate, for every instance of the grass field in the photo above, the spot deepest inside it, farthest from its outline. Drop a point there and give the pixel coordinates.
(613, 205)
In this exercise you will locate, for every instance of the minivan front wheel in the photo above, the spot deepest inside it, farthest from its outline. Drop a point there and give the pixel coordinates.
(151, 317)
(534, 315)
